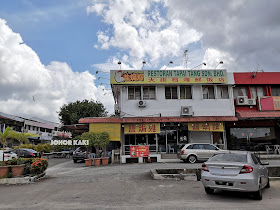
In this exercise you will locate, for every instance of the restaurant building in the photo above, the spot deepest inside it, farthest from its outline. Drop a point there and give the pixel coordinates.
(257, 105)
(162, 109)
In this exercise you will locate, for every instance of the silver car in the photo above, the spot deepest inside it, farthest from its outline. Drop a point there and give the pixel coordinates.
(235, 171)
(198, 151)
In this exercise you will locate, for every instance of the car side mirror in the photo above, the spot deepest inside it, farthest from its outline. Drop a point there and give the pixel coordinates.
(265, 163)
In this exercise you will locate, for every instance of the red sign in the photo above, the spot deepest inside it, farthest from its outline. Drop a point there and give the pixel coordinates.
(139, 151)
(270, 103)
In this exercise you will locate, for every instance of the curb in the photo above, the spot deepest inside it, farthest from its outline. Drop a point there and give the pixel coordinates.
(21, 180)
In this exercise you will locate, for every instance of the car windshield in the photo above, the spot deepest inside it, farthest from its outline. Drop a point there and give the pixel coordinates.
(230, 157)
(30, 150)
(81, 149)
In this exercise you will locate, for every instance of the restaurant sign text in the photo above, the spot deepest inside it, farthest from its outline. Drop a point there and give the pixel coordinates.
(142, 128)
(206, 126)
(167, 76)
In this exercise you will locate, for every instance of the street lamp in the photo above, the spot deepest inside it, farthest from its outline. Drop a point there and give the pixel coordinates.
(120, 64)
(170, 62)
(221, 62)
(199, 65)
(144, 62)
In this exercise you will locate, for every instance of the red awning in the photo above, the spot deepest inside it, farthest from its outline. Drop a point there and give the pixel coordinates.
(258, 115)
(158, 119)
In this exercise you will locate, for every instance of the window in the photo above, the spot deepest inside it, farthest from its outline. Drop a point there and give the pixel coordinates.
(149, 92)
(190, 147)
(185, 92)
(275, 91)
(240, 91)
(198, 146)
(208, 92)
(171, 92)
(222, 92)
(230, 157)
(209, 147)
(134, 93)
(257, 92)
(255, 159)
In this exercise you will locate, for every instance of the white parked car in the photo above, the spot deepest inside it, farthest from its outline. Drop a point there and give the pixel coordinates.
(198, 151)
(235, 171)
(7, 155)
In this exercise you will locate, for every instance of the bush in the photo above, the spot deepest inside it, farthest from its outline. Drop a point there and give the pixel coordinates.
(32, 165)
(38, 166)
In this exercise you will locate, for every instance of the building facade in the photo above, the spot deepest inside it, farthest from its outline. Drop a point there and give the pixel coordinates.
(257, 105)
(166, 108)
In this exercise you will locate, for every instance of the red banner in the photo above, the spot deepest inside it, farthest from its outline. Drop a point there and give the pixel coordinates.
(270, 103)
(139, 151)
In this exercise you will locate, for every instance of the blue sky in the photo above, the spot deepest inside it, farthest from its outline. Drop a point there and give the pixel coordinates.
(66, 41)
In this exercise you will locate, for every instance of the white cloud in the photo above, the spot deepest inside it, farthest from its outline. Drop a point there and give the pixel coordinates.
(140, 29)
(24, 78)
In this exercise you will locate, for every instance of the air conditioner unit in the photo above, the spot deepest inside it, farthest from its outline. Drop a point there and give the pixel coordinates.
(142, 103)
(186, 111)
(242, 100)
(252, 102)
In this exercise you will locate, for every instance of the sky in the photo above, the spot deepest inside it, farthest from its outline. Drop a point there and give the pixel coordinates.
(50, 50)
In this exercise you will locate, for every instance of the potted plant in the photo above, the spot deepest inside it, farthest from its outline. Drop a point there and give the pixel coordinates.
(104, 141)
(4, 170)
(88, 136)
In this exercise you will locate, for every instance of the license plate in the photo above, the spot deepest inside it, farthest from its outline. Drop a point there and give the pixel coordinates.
(221, 183)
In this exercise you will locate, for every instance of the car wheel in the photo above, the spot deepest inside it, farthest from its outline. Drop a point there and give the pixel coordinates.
(258, 194)
(192, 159)
(208, 190)
(268, 183)
(75, 161)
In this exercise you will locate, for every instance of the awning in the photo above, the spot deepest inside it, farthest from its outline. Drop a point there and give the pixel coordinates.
(79, 128)
(158, 119)
(258, 115)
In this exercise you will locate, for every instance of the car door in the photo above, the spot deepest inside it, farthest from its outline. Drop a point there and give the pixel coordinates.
(200, 152)
(210, 150)
(262, 170)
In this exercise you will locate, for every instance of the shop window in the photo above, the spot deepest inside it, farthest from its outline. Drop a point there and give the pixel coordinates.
(240, 91)
(185, 92)
(257, 91)
(149, 92)
(208, 92)
(171, 92)
(222, 92)
(134, 93)
(275, 91)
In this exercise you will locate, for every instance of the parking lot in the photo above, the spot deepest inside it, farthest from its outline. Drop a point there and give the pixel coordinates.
(74, 186)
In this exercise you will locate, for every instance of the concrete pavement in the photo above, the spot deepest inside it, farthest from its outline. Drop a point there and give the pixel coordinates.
(74, 186)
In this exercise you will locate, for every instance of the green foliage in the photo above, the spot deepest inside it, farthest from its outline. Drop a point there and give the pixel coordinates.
(71, 113)
(32, 165)
(8, 133)
(97, 140)
(39, 147)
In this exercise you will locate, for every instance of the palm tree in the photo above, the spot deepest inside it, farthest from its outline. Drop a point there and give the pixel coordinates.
(7, 134)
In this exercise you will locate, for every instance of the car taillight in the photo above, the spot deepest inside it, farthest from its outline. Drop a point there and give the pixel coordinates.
(246, 169)
(32, 154)
(204, 167)
(182, 152)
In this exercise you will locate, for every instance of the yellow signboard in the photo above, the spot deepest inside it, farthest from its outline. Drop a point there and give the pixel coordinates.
(276, 102)
(142, 128)
(167, 76)
(206, 126)
(114, 129)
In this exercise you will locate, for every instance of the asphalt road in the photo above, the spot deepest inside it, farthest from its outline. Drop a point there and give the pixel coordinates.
(128, 186)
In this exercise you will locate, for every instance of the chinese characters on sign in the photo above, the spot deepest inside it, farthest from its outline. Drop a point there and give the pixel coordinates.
(139, 151)
(270, 103)
(206, 126)
(168, 76)
(142, 128)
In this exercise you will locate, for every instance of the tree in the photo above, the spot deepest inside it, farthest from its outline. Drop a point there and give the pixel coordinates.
(99, 140)
(71, 113)
(8, 133)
